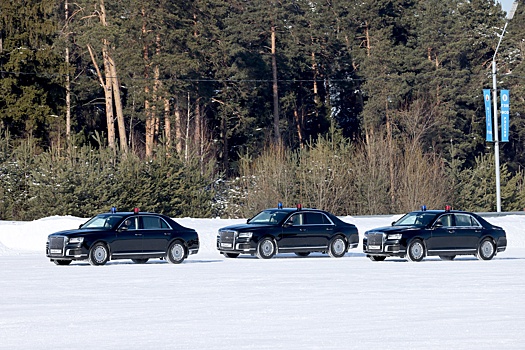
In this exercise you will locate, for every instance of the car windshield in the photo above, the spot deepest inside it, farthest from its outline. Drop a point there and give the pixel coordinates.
(106, 221)
(268, 217)
(419, 219)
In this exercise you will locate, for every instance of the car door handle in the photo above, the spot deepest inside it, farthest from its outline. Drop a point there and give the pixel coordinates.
(138, 234)
(329, 229)
(302, 229)
(166, 233)
(451, 231)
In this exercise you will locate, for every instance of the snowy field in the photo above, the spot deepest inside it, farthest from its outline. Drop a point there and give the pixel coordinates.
(210, 302)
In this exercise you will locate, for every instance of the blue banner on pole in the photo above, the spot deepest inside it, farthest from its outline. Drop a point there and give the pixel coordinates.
(505, 115)
(488, 114)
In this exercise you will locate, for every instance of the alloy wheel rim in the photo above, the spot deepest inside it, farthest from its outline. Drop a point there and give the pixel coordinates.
(177, 252)
(416, 250)
(100, 254)
(338, 246)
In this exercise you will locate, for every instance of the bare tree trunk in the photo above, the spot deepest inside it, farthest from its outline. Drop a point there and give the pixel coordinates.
(149, 131)
(118, 107)
(277, 132)
(108, 95)
(299, 125)
(178, 133)
(68, 82)
(167, 123)
(108, 91)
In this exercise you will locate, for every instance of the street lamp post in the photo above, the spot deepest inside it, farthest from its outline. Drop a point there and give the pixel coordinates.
(510, 14)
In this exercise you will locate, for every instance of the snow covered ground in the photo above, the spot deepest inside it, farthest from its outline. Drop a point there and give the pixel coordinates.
(210, 302)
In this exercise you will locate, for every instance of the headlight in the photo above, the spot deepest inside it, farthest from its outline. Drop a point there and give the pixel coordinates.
(395, 236)
(245, 234)
(76, 240)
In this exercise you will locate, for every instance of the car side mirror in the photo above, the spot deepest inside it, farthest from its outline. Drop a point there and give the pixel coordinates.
(80, 226)
(122, 228)
(288, 224)
(393, 223)
(438, 225)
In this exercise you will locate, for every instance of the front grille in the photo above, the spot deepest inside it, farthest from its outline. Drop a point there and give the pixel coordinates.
(227, 240)
(375, 239)
(56, 244)
(227, 236)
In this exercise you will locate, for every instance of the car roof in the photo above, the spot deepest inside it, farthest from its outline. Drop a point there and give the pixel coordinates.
(436, 211)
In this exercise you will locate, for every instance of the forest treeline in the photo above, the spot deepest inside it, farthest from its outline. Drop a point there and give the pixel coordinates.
(221, 108)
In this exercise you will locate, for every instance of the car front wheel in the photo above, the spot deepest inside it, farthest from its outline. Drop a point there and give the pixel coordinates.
(337, 247)
(416, 250)
(266, 248)
(98, 254)
(486, 250)
(176, 253)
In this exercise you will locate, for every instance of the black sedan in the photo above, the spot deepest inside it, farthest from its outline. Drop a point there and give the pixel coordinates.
(123, 235)
(443, 233)
(288, 230)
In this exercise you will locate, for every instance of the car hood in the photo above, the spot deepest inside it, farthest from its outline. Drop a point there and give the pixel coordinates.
(394, 229)
(76, 232)
(246, 227)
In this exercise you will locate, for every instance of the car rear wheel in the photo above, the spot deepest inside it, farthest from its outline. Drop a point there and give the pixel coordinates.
(62, 262)
(176, 253)
(447, 257)
(140, 261)
(416, 250)
(231, 255)
(266, 248)
(303, 254)
(98, 254)
(377, 258)
(337, 247)
(486, 250)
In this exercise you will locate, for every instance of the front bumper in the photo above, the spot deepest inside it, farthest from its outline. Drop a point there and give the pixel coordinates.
(384, 248)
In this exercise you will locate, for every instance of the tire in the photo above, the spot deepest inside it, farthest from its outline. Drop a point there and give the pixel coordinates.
(176, 253)
(416, 250)
(98, 254)
(337, 248)
(447, 257)
(266, 248)
(62, 262)
(140, 261)
(232, 255)
(377, 258)
(486, 250)
(302, 254)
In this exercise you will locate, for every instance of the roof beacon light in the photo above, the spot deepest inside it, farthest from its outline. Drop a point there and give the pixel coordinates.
(299, 206)
(448, 208)
(136, 210)
(280, 205)
(113, 210)
(423, 208)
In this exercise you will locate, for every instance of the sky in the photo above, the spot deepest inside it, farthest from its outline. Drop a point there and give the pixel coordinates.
(288, 302)
(506, 4)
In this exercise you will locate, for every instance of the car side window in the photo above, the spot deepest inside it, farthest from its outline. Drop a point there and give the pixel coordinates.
(466, 220)
(129, 223)
(316, 219)
(445, 221)
(150, 222)
(296, 220)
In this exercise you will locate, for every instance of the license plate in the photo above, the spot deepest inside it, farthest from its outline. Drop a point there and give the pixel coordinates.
(226, 245)
(374, 247)
(56, 251)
